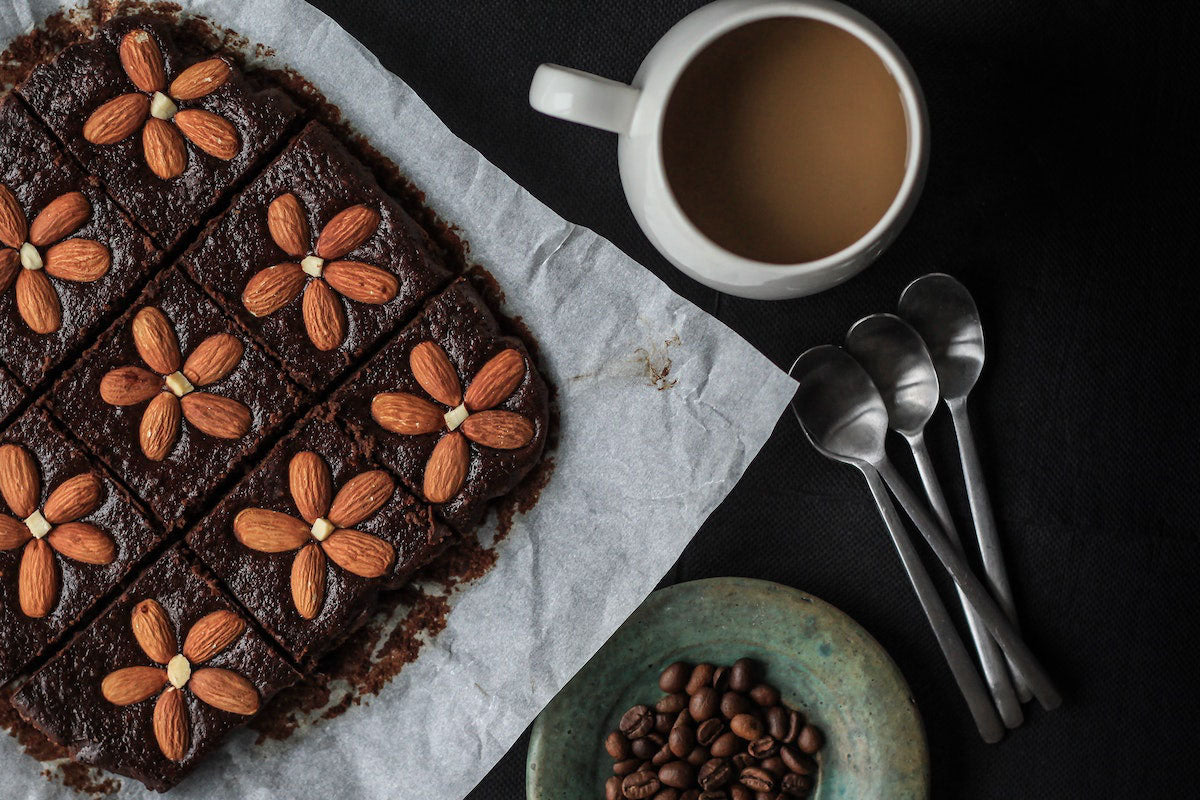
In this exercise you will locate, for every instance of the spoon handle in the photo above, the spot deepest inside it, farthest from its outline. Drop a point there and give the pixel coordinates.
(1024, 662)
(961, 665)
(990, 655)
(985, 522)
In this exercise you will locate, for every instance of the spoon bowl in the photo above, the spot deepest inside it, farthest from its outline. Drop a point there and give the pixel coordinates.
(945, 315)
(901, 368)
(838, 407)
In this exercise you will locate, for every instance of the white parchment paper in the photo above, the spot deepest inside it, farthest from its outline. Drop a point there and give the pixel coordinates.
(639, 467)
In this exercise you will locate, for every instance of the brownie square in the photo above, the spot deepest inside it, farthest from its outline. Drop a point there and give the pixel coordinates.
(68, 535)
(254, 268)
(198, 667)
(217, 425)
(11, 393)
(396, 535)
(89, 258)
(223, 130)
(400, 419)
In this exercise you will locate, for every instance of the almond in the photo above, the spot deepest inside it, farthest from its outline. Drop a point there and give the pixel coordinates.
(13, 231)
(212, 134)
(269, 531)
(502, 430)
(130, 685)
(142, 61)
(74, 498)
(364, 555)
(324, 318)
(10, 265)
(362, 282)
(215, 415)
(116, 119)
(160, 426)
(127, 386)
(226, 690)
(20, 483)
(37, 579)
(273, 288)
(171, 724)
(311, 485)
(288, 225)
(165, 152)
(308, 580)
(83, 542)
(153, 631)
(348, 229)
(362, 496)
(431, 367)
(155, 340)
(38, 302)
(211, 634)
(61, 217)
(213, 359)
(403, 413)
(79, 260)
(496, 380)
(200, 79)
(447, 468)
(13, 532)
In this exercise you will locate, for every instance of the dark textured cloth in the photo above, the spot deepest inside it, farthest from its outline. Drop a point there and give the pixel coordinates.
(1062, 192)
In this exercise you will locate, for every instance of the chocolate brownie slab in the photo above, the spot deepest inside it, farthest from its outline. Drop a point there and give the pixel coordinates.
(68, 534)
(167, 137)
(68, 256)
(11, 393)
(316, 260)
(157, 680)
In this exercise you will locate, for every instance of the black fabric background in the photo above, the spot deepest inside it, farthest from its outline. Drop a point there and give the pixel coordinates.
(1062, 191)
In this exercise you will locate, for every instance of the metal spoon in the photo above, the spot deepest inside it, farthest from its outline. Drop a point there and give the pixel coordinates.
(843, 415)
(943, 312)
(894, 356)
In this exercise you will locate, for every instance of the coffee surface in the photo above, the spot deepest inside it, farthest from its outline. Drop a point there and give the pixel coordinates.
(784, 140)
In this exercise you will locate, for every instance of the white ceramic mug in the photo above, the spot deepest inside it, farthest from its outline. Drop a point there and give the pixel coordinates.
(635, 112)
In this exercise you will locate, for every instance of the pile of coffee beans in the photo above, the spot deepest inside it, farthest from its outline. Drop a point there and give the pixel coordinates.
(718, 733)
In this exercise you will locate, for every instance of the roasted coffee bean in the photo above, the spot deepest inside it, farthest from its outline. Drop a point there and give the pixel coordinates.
(701, 676)
(720, 679)
(743, 760)
(733, 703)
(763, 747)
(714, 794)
(671, 703)
(746, 726)
(617, 746)
(681, 740)
(774, 765)
(662, 756)
(797, 762)
(810, 740)
(667, 794)
(627, 766)
(679, 774)
(674, 677)
(739, 792)
(640, 785)
(757, 779)
(765, 695)
(690, 794)
(662, 722)
(777, 720)
(794, 726)
(698, 756)
(741, 675)
(612, 788)
(644, 748)
(704, 704)
(726, 745)
(708, 731)
(797, 785)
(714, 773)
(637, 722)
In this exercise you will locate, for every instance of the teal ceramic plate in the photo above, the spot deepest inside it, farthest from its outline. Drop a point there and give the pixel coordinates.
(822, 661)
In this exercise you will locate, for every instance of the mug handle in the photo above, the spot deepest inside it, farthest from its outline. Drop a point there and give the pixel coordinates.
(582, 97)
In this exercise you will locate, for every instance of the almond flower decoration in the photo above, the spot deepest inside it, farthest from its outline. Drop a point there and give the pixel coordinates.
(168, 389)
(220, 688)
(274, 287)
(54, 529)
(324, 528)
(403, 413)
(30, 252)
(162, 143)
